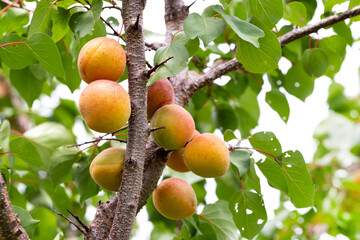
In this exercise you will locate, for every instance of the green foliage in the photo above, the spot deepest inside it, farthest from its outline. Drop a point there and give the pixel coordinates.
(38, 56)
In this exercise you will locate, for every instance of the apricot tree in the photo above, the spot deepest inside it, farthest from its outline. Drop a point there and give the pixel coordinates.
(216, 60)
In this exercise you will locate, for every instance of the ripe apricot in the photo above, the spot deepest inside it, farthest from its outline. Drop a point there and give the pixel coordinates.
(101, 58)
(106, 168)
(207, 156)
(175, 199)
(159, 94)
(179, 126)
(176, 159)
(105, 106)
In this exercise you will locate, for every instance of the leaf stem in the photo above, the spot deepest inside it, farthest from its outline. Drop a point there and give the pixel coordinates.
(261, 151)
(13, 43)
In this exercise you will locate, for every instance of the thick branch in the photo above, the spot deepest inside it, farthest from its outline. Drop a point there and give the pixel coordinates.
(10, 228)
(131, 184)
(189, 88)
(306, 30)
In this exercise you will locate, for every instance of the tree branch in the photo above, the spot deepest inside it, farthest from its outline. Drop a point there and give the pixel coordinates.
(10, 228)
(132, 176)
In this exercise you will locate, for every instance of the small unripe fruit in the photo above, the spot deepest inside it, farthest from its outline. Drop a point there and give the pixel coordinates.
(105, 106)
(101, 58)
(179, 127)
(159, 94)
(175, 199)
(207, 156)
(106, 168)
(176, 159)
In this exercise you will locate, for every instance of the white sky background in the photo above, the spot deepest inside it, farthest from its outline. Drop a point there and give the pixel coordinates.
(295, 135)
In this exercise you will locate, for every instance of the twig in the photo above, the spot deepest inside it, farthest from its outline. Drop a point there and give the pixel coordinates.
(157, 66)
(114, 6)
(191, 4)
(72, 222)
(152, 46)
(97, 140)
(155, 129)
(148, 64)
(87, 229)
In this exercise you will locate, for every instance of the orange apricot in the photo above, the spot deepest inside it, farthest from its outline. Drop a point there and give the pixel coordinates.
(159, 94)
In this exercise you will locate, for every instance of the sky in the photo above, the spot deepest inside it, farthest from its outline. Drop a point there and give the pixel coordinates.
(295, 135)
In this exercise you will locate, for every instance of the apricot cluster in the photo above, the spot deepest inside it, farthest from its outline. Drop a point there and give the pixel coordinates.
(104, 104)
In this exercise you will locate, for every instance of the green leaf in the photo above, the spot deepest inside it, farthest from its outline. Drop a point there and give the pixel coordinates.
(206, 28)
(344, 31)
(61, 164)
(296, 13)
(277, 101)
(224, 117)
(273, 173)
(252, 180)
(41, 19)
(4, 136)
(87, 20)
(298, 83)
(60, 18)
(50, 134)
(262, 59)
(26, 220)
(267, 11)
(27, 83)
(173, 66)
(13, 21)
(47, 227)
(16, 56)
(229, 135)
(192, 45)
(315, 62)
(354, 3)
(46, 52)
(217, 217)
(83, 181)
(300, 185)
(241, 159)
(228, 184)
(329, 4)
(248, 211)
(245, 30)
(267, 142)
(26, 150)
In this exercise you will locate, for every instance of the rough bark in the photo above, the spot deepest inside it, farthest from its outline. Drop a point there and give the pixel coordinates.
(132, 13)
(10, 228)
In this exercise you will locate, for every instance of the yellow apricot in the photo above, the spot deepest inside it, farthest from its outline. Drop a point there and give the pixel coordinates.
(106, 168)
(207, 156)
(179, 126)
(175, 199)
(101, 58)
(105, 106)
(176, 158)
(159, 94)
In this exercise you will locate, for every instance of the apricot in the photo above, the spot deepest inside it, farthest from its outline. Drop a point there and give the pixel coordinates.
(176, 159)
(207, 156)
(179, 126)
(101, 58)
(106, 168)
(105, 106)
(159, 94)
(175, 199)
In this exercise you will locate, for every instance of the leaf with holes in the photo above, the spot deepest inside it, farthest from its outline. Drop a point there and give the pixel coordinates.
(217, 218)
(267, 11)
(277, 101)
(252, 180)
(173, 66)
(248, 211)
(241, 159)
(298, 83)
(206, 28)
(300, 185)
(267, 143)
